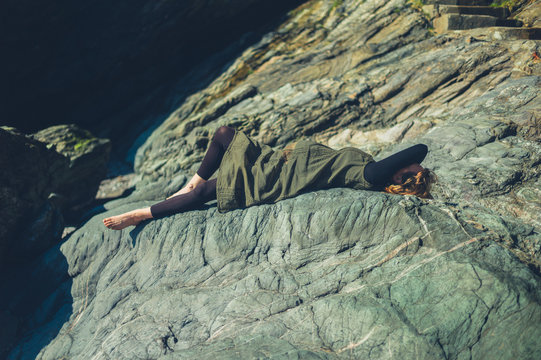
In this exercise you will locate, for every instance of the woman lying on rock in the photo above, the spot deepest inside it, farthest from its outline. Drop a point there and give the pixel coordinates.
(250, 173)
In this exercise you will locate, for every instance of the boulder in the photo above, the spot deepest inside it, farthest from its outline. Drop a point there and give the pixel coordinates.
(88, 157)
(40, 180)
(384, 84)
(30, 172)
(329, 274)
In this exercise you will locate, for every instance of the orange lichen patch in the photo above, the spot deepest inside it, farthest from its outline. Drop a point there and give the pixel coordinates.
(477, 225)
(535, 56)
(268, 63)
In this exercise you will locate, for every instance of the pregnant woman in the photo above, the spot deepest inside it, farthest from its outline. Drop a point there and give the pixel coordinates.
(250, 173)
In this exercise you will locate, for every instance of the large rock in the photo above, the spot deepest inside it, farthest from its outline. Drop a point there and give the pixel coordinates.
(40, 181)
(529, 14)
(330, 274)
(383, 81)
(29, 224)
(88, 157)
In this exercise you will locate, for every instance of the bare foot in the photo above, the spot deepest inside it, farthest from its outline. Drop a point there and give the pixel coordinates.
(192, 184)
(122, 221)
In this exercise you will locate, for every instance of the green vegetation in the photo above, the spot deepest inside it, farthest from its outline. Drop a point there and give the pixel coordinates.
(510, 4)
(81, 144)
(417, 4)
(336, 4)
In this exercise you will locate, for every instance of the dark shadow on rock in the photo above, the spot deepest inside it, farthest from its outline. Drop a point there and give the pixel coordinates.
(170, 96)
(135, 231)
(36, 298)
(207, 206)
(120, 83)
(90, 213)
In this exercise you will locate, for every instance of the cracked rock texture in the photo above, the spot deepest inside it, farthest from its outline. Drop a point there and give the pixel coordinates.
(368, 276)
(329, 274)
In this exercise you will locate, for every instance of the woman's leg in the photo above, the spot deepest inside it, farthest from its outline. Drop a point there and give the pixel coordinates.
(211, 162)
(201, 194)
(127, 219)
(220, 141)
(197, 192)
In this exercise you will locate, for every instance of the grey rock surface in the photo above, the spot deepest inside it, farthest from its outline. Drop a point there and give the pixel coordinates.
(44, 177)
(529, 13)
(368, 276)
(29, 223)
(475, 102)
(329, 274)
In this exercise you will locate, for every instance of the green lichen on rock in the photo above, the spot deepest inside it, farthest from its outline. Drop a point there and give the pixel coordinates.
(70, 140)
(510, 4)
(88, 157)
(82, 144)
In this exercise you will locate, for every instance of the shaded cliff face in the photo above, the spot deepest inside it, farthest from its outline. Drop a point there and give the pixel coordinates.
(336, 273)
(89, 62)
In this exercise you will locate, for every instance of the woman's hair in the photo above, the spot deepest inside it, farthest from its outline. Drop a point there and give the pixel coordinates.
(417, 184)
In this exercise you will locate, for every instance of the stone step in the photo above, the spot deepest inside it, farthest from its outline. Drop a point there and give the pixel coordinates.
(506, 33)
(466, 22)
(460, 2)
(437, 10)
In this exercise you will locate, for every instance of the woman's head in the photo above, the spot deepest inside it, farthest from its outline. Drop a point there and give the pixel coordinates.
(412, 180)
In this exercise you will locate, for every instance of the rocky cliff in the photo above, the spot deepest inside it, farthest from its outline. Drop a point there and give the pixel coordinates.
(330, 274)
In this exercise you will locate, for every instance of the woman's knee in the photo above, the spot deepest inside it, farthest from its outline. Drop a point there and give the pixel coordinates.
(198, 191)
(206, 190)
(223, 131)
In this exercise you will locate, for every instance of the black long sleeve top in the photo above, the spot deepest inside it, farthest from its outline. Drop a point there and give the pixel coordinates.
(380, 173)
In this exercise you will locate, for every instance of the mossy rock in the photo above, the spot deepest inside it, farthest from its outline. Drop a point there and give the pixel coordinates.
(87, 154)
(70, 140)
